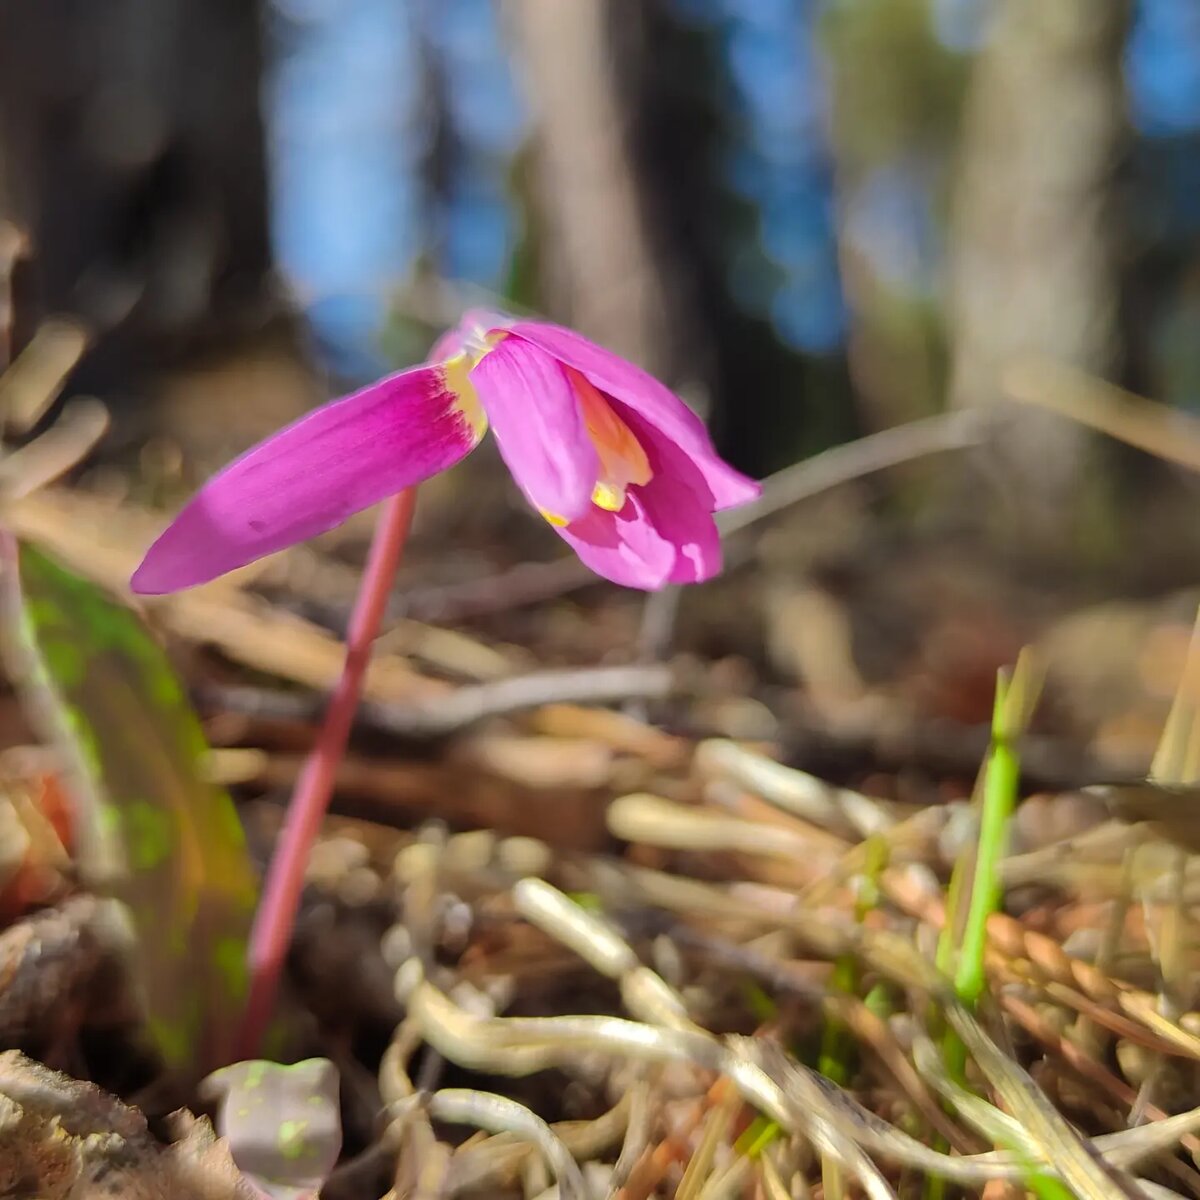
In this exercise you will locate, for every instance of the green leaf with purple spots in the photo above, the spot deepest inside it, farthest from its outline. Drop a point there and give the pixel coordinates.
(283, 1123)
(151, 830)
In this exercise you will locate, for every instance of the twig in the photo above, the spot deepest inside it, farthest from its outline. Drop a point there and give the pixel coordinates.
(589, 685)
(837, 465)
(438, 716)
(1155, 428)
(841, 464)
(285, 876)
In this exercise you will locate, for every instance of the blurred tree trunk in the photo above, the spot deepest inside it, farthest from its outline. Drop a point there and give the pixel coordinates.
(131, 153)
(601, 269)
(895, 95)
(1033, 263)
(633, 219)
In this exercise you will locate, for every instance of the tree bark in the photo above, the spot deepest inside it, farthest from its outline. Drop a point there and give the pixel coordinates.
(133, 159)
(1033, 262)
(600, 266)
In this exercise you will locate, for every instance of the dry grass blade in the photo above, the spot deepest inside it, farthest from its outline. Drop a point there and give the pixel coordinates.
(1125, 1149)
(827, 1137)
(496, 1162)
(1017, 954)
(877, 1034)
(714, 1134)
(644, 992)
(64, 445)
(1130, 1148)
(985, 1118)
(794, 791)
(653, 821)
(423, 1164)
(729, 1183)
(498, 1114)
(773, 1186)
(1156, 1191)
(37, 375)
(807, 1091)
(650, 998)
(799, 1100)
(1080, 1166)
(898, 959)
(637, 1132)
(1165, 432)
(521, 1045)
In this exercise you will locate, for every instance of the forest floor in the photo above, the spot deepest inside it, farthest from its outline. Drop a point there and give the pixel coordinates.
(631, 896)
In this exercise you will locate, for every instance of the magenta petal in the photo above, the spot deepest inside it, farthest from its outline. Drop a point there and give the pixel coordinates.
(664, 534)
(624, 547)
(682, 520)
(678, 502)
(311, 476)
(642, 393)
(539, 427)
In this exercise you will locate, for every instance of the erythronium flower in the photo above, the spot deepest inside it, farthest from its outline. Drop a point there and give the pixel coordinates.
(617, 463)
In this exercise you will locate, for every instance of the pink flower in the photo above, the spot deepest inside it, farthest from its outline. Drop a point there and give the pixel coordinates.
(618, 464)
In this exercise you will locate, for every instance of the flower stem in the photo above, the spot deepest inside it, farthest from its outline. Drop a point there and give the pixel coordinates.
(276, 914)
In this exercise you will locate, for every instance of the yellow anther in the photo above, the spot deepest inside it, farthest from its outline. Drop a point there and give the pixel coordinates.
(609, 497)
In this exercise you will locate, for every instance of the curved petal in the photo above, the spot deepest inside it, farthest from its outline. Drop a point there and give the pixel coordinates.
(642, 393)
(664, 534)
(679, 517)
(311, 476)
(539, 427)
(624, 547)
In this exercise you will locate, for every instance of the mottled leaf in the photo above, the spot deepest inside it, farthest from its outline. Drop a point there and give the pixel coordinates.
(151, 831)
(282, 1123)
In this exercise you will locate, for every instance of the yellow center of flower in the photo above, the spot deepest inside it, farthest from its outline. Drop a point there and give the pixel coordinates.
(466, 399)
(623, 461)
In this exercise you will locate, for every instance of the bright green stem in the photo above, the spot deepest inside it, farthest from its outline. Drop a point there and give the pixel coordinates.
(999, 800)
(276, 915)
(970, 977)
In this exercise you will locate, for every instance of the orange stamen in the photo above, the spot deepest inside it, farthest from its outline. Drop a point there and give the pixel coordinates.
(623, 461)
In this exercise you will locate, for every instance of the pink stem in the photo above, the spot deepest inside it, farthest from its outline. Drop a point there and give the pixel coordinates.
(276, 914)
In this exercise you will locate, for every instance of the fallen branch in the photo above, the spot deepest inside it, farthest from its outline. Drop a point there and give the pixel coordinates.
(440, 715)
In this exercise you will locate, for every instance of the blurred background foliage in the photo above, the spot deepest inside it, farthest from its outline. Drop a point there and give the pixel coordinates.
(816, 218)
